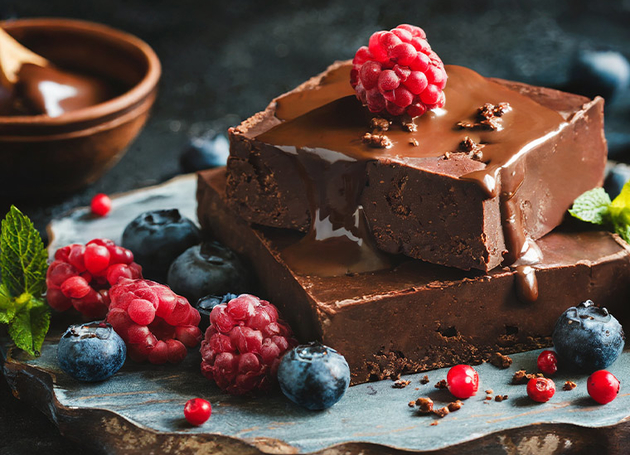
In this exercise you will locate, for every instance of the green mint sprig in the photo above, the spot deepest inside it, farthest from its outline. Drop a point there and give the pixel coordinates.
(23, 265)
(595, 207)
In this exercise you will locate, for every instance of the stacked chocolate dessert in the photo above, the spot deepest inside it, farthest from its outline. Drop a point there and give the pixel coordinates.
(412, 244)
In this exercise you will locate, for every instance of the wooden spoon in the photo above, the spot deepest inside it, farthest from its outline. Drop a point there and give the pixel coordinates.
(12, 56)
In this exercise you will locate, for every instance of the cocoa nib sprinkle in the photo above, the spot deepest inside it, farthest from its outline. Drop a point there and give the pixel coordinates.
(468, 147)
(569, 385)
(441, 384)
(500, 361)
(488, 117)
(401, 384)
(380, 124)
(413, 142)
(377, 140)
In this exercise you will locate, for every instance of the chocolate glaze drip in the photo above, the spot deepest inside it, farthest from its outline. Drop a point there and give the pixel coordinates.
(53, 92)
(335, 130)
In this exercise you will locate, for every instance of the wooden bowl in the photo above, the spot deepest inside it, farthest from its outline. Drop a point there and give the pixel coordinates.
(42, 156)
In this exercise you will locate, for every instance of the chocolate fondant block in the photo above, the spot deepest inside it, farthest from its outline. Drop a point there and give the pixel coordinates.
(420, 316)
(452, 192)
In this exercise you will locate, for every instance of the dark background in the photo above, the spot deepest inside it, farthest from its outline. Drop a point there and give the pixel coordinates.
(223, 61)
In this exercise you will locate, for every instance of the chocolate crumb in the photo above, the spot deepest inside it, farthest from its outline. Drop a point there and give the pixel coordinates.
(435, 422)
(413, 142)
(455, 406)
(520, 377)
(411, 404)
(417, 388)
(425, 405)
(489, 397)
(442, 412)
(379, 123)
(500, 398)
(441, 384)
(401, 384)
(500, 361)
(488, 117)
(424, 379)
(569, 385)
(377, 140)
(409, 126)
(489, 391)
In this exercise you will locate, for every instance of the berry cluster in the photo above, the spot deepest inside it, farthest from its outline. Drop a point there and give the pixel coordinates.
(157, 324)
(244, 343)
(399, 73)
(80, 276)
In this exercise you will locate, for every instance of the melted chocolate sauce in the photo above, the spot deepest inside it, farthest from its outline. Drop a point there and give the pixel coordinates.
(53, 92)
(330, 126)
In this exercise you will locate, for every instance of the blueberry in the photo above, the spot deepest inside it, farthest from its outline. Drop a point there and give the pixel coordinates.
(204, 153)
(605, 73)
(314, 376)
(205, 305)
(156, 238)
(617, 177)
(91, 352)
(588, 338)
(210, 268)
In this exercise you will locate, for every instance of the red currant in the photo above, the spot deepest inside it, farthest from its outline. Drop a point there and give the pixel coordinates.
(101, 204)
(96, 258)
(541, 389)
(463, 381)
(602, 386)
(548, 363)
(197, 411)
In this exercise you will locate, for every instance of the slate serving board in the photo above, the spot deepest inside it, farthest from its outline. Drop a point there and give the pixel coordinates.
(140, 409)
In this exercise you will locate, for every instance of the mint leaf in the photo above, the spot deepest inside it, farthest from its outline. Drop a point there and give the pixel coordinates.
(592, 206)
(40, 323)
(7, 305)
(29, 326)
(22, 255)
(20, 331)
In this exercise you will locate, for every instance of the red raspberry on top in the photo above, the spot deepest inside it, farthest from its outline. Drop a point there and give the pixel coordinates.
(80, 276)
(244, 344)
(156, 324)
(399, 73)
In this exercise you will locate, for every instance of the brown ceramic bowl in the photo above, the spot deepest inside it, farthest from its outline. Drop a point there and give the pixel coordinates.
(41, 155)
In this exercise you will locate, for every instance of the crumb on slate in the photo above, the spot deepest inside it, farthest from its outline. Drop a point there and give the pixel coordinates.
(401, 384)
(521, 377)
(435, 422)
(569, 385)
(500, 361)
(500, 398)
(425, 405)
(424, 379)
(441, 384)
(442, 412)
(455, 406)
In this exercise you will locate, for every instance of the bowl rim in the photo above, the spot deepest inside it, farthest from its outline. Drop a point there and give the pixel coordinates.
(129, 98)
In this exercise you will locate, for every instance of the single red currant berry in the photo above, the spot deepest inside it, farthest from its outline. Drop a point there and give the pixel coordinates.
(541, 389)
(548, 363)
(101, 204)
(463, 381)
(197, 411)
(603, 387)
(96, 258)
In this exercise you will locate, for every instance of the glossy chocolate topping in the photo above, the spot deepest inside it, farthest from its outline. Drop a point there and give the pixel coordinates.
(325, 139)
(53, 92)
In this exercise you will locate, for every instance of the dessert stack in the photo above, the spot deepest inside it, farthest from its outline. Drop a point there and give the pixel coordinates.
(406, 213)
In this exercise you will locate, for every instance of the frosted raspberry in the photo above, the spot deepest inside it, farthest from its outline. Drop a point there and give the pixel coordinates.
(399, 73)
(156, 324)
(244, 343)
(80, 276)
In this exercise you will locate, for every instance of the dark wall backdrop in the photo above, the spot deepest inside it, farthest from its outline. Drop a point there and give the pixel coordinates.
(223, 61)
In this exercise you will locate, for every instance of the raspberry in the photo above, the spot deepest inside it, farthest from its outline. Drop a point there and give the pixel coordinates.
(156, 324)
(399, 73)
(80, 276)
(244, 343)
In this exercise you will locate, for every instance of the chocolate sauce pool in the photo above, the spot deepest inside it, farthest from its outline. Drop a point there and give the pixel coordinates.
(51, 91)
(324, 138)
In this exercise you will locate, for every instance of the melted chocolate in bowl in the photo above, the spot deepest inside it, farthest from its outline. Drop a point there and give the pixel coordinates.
(51, 91)
(329, 155)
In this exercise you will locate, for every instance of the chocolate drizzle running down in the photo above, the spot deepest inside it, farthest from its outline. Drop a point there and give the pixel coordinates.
(325, 140)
